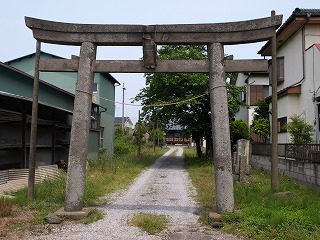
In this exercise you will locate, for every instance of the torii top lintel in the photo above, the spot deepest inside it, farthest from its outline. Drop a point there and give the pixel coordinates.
(132, 35)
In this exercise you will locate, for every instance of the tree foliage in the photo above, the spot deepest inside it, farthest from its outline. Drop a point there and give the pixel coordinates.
(238, 130)
(300, 131)
(188, 90)
(262, 128)
(139, 130)
(261, 123)
(234, 102)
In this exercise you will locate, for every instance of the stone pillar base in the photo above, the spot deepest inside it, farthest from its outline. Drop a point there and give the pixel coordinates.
(75, 215)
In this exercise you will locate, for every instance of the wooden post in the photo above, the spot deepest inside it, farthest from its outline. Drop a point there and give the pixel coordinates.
(274, 136)
(139, 136)
(122, 119)
(34, 126)
(23, 137)
(154, 137)
(220, 130)
(80, 129)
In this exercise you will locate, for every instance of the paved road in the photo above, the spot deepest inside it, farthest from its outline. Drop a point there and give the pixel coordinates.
(164, 188)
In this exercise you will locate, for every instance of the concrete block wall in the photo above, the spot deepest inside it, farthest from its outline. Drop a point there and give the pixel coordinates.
(305, 172)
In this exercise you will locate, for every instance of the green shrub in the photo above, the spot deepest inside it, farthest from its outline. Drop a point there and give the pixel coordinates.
(123, 144)
(261, 123)
(300, 131)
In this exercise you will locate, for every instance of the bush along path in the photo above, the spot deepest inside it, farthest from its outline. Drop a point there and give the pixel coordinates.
(158, 205)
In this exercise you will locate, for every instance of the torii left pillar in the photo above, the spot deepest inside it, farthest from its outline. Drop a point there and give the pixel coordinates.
(80, 129)
(220, 130)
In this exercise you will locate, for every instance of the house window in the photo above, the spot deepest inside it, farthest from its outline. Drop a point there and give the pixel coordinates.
(280, 70)
(95, 88)
(282, 122)
(94, 123)
(258, 92)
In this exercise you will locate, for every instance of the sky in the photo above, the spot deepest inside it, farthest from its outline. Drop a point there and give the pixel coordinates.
(16, 39)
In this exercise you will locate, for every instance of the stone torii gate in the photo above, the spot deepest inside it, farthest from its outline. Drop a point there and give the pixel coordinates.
(89, 36)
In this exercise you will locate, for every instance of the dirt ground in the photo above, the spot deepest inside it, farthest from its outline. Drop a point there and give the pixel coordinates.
(16, 226)
(21, 225)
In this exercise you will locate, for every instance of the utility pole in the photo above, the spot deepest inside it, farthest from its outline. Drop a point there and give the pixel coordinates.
(122, 125)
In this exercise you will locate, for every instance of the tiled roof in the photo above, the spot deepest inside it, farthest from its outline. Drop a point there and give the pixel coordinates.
(298, 12)
(118, 120)
(174, 127)
(303, 11)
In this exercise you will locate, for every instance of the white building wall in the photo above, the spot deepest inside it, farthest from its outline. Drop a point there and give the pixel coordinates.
(258, 80)
(316, 78)
(251, 112)
(312, 86)
(312, 33)
(295, 59)
(291, 50)
(243, 113)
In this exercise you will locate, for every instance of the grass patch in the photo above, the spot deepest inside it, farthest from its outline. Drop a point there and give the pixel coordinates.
(48, 197)
(202, 175)
(150, 223)
(174, 153)
(93, 217)
(262, 214)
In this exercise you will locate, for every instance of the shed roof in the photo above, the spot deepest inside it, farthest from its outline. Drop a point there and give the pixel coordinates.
(55, 88)
(6, 65)
(107, 75)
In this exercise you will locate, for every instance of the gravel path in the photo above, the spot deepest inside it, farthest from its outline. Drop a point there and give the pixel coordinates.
(164, 188)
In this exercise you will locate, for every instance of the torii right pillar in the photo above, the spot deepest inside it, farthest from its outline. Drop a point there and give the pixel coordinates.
(220, 130)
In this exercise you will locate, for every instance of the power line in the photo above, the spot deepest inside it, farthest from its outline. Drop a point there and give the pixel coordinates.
(154, 105)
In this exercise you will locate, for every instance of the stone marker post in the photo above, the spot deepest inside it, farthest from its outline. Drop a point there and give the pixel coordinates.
(242, 161)
(220, 130)
(80, 129)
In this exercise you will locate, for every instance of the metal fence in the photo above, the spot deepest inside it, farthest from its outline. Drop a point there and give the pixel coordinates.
(299, 152)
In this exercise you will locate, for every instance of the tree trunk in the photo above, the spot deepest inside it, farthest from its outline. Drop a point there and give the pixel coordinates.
(209, 146)
(196, 138)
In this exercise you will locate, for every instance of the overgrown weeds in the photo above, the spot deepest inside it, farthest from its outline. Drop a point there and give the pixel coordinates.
(260, 214)
(149, 223)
